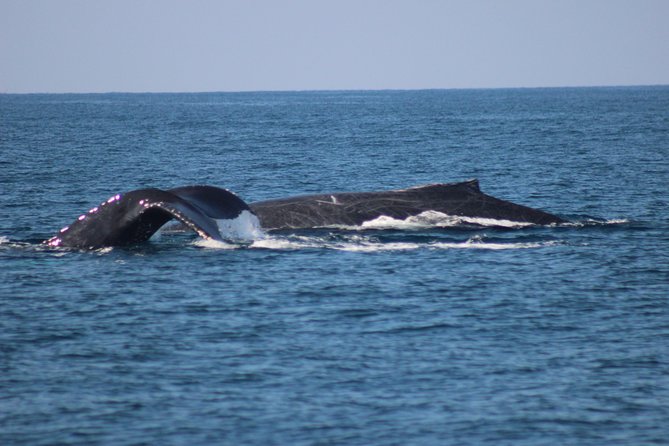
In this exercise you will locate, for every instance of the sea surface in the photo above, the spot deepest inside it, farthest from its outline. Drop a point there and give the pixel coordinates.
(396, 333)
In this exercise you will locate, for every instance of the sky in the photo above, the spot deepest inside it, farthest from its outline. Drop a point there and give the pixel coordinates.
(259, 45)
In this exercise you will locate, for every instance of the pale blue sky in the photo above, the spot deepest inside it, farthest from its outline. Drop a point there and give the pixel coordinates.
(209, 45)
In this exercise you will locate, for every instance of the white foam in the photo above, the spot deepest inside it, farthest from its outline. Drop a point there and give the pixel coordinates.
(434, 219)
(245, 227)
(470, 244)
(245, 232)
(378, 247)
(593, 222)
(617, 221)
(3, 239)
(282, 243)
(210, 243)
(366, 244)
(316, 243)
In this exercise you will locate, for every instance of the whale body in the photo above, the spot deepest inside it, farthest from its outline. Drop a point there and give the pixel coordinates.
(463, 199)
(133, 217)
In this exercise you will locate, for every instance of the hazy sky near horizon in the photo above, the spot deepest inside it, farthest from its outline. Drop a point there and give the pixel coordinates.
(210, 45)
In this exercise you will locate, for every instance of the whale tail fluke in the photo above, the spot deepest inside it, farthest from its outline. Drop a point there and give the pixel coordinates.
(133, 217)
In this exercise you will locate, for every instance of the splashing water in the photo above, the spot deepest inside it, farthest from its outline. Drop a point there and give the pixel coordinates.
(243, 228)
(435, 219)
(245, 232)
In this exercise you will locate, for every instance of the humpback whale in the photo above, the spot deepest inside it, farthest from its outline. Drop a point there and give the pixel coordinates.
(133, 217)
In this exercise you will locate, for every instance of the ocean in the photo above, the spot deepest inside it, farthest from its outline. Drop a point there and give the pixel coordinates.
(393, 333)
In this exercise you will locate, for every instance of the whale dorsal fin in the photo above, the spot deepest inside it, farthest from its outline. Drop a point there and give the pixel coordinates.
(473, 184)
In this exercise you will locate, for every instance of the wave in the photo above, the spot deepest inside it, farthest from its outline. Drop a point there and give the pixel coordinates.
(358, 243)
(589, 221)
(434, 219)
(245, 233)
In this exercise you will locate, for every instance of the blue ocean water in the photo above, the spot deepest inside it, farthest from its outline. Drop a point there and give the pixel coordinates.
(391, 335)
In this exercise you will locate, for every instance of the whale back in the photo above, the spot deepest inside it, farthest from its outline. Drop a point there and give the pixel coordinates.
(354, 208)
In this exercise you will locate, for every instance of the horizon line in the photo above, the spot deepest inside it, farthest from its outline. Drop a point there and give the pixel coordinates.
(323, 90)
